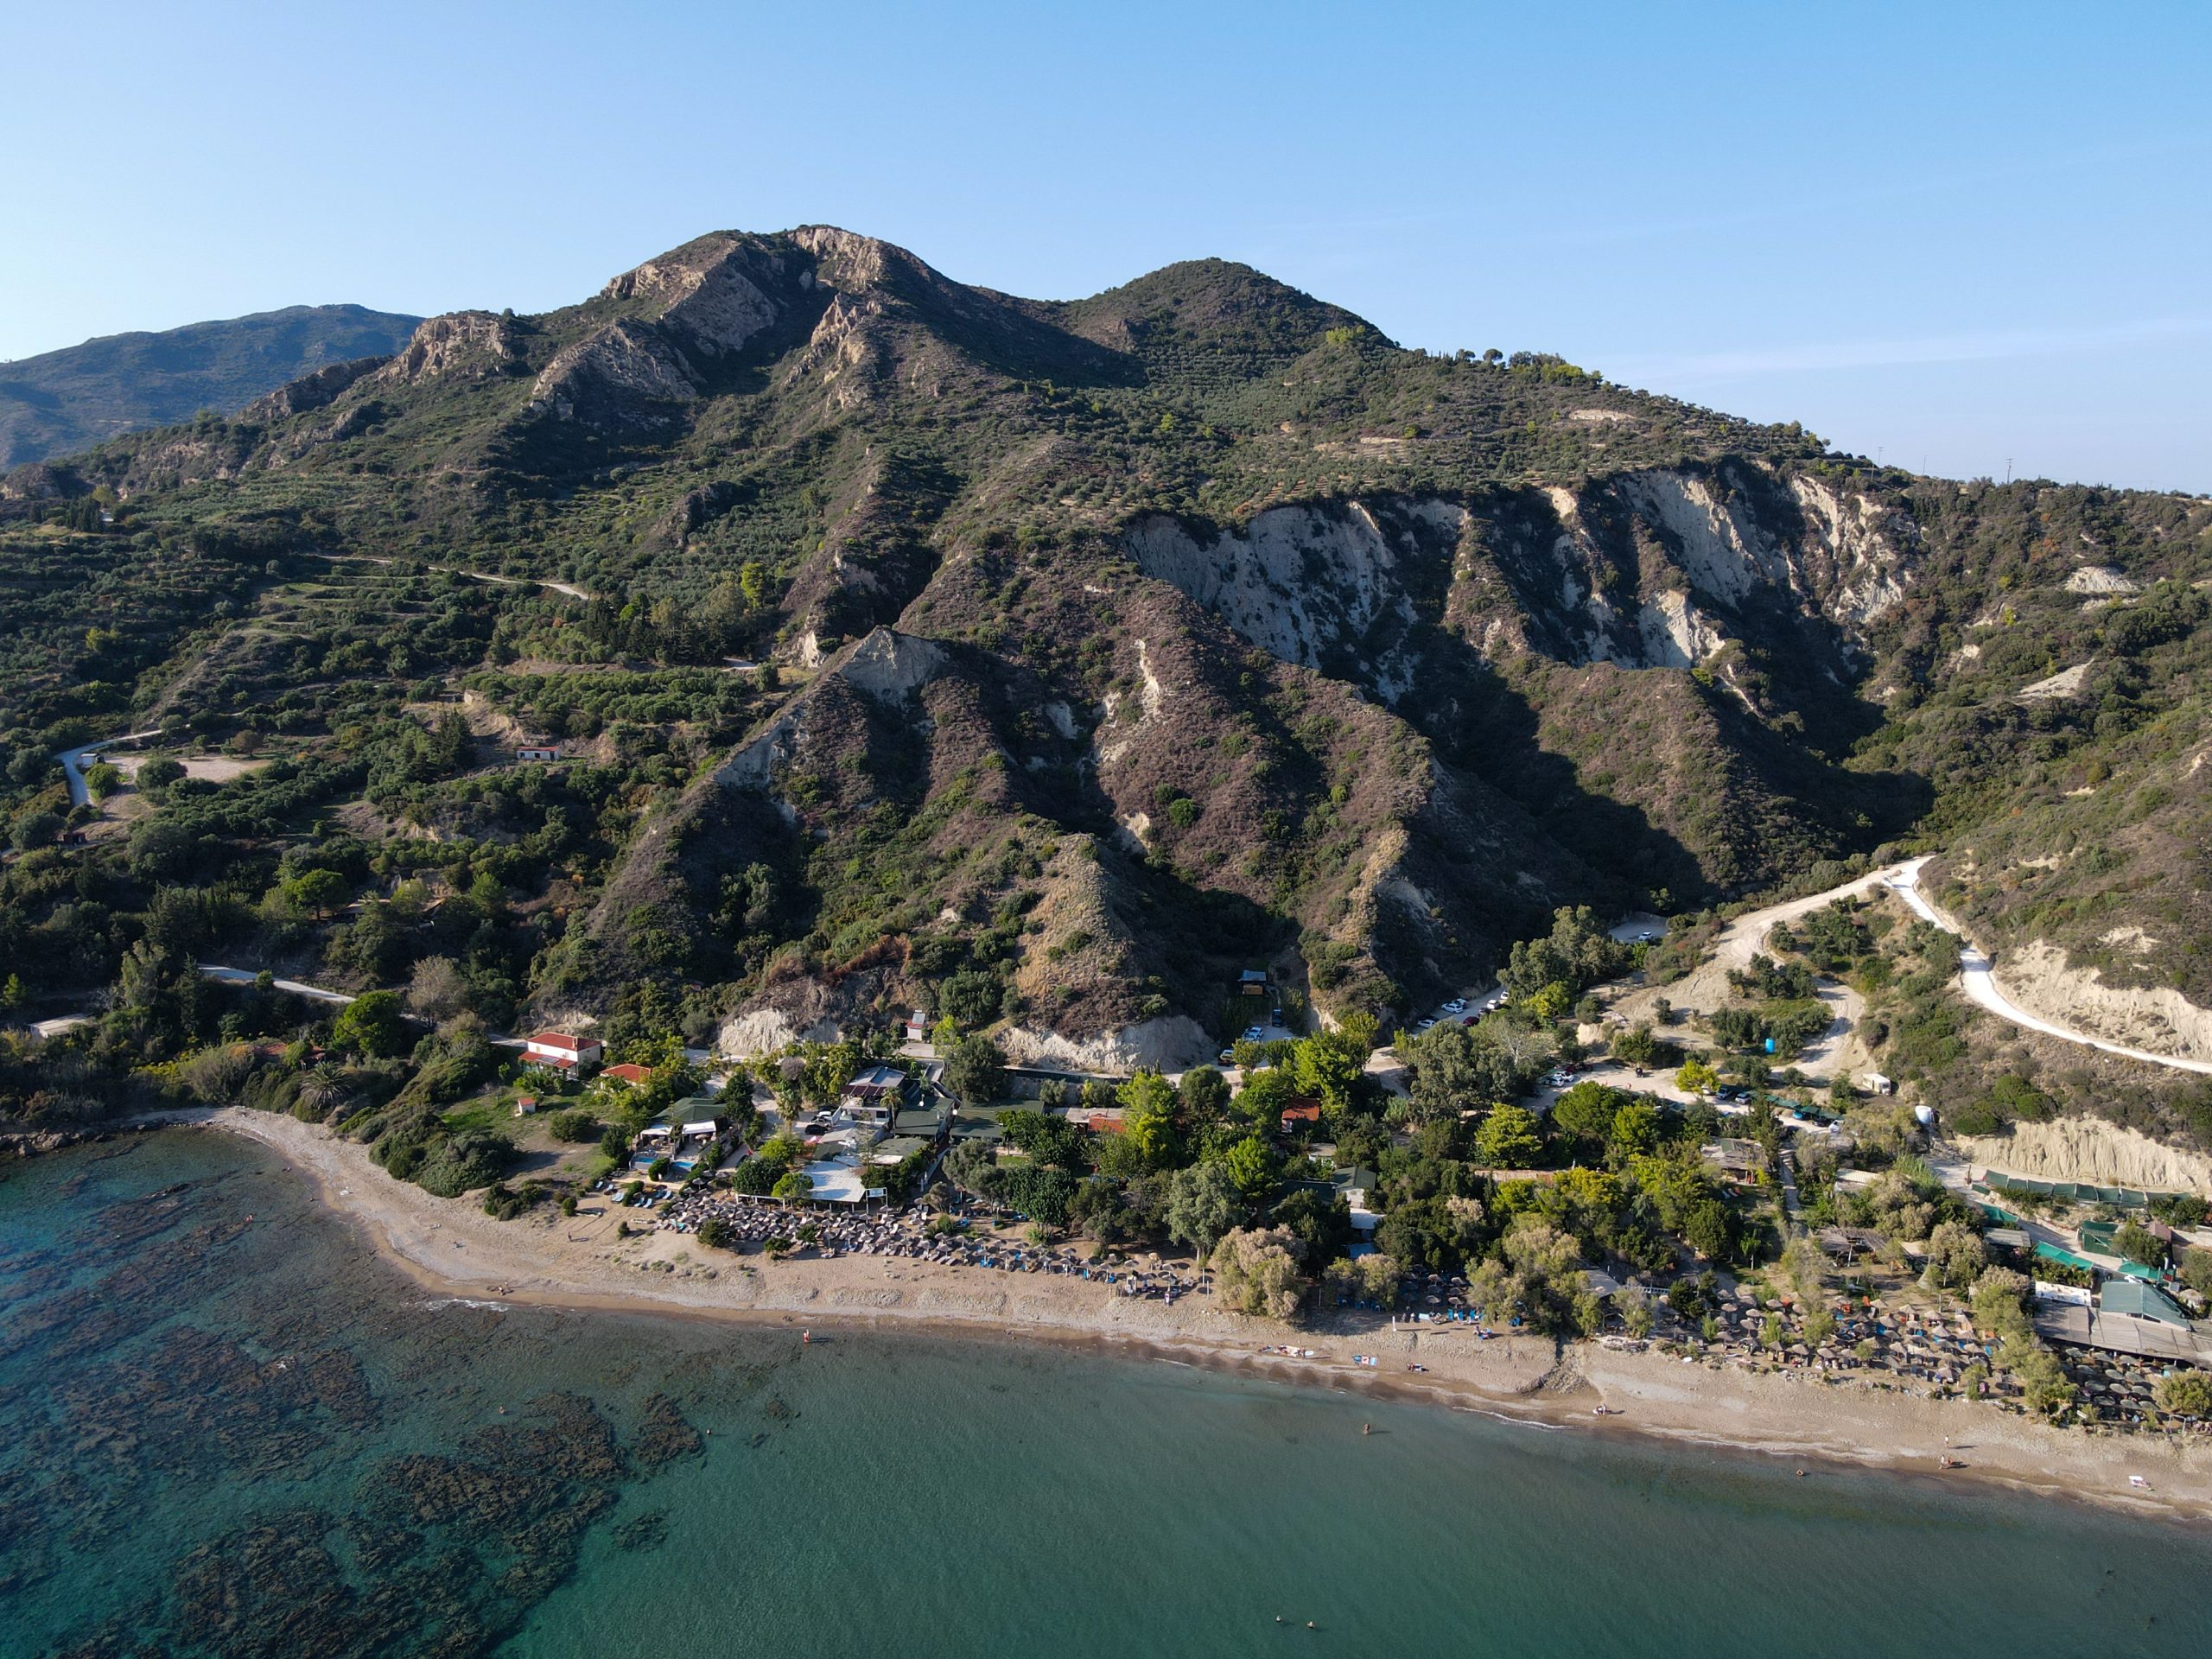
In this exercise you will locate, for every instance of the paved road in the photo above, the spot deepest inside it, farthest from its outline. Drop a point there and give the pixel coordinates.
(248, 976)
(1977, 973)
(72, 763)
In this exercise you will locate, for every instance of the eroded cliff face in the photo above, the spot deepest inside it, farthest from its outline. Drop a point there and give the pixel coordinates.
(1542, 640)
(1664, 568)
(1323, 589)
(613, 376)
(1649, 570)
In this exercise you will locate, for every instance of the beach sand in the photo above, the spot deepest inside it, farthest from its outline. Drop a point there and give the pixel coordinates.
(452, 1247)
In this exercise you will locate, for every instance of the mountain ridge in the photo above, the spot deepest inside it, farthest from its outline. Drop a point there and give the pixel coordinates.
(58, 401)
(1243, 635)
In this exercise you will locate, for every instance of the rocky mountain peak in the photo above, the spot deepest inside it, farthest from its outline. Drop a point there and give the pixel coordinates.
(472, 343)
(715, 294)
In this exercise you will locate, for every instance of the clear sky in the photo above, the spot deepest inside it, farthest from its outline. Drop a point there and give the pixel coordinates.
(1957, 235)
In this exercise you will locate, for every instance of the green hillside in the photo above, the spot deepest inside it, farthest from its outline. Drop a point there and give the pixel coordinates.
(1042, 663)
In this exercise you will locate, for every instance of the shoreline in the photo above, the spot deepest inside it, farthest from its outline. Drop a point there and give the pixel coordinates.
(450, 1248)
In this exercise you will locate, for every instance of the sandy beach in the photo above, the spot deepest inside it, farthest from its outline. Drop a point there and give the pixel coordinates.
(452, 1247)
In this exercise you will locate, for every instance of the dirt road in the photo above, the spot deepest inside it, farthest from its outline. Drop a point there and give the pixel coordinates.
(1978, 976)
(1704, 989)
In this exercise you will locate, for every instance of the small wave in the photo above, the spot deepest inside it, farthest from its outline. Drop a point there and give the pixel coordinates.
(466, 1301)
(1510, 1417)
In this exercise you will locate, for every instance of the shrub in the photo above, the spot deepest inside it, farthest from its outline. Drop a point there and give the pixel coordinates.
(2185, 1394)
(215, 1075)
(575, 1126)
(461, 1163)
(507, 1203)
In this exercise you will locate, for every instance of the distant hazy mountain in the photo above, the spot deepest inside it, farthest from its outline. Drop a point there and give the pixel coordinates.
(61, 402)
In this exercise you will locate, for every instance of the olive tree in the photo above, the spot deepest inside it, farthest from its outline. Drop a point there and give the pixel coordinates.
(1255, 1271)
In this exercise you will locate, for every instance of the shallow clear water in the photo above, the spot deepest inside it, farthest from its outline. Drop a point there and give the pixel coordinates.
(234, 1438)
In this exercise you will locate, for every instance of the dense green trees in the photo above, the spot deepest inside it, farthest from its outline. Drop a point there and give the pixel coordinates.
(1256, 1272)
(2185, 1394)
(1509, 1139)
(1579, 951)
(1148, 1119)
(1458, 1068)
(1203, 1204)
(1586, 1113)
(975, 1072)
(372, 1026)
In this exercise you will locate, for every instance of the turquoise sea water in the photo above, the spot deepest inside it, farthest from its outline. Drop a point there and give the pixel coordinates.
(237, 1438)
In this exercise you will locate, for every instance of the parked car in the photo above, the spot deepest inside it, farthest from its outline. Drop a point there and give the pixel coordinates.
(1425, 1025)
(1228, 1057)
(1456, 1005)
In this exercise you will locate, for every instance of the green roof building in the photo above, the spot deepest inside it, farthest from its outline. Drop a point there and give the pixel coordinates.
(2132, 1296)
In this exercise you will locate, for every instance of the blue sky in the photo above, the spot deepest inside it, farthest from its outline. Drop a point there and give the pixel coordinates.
(1956, 235)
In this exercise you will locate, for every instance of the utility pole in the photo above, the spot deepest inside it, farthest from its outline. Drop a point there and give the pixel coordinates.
(2008, 469)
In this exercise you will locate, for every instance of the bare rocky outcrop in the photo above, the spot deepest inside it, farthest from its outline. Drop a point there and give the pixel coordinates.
(41, 481)
(889, 664)
(1866, 547)
(2067, 683)
(2099, 579)
(848, 260)
(709, 294)
(1674, 633)
(1715, 535)
(756, 1031)
(1646, 569)
(614, 375)
(841, 342)
(1165, 1045)
(310, 392)
(472, 343)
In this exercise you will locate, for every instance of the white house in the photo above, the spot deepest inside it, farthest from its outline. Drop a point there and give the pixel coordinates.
(537, 751)
(563, 1053)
